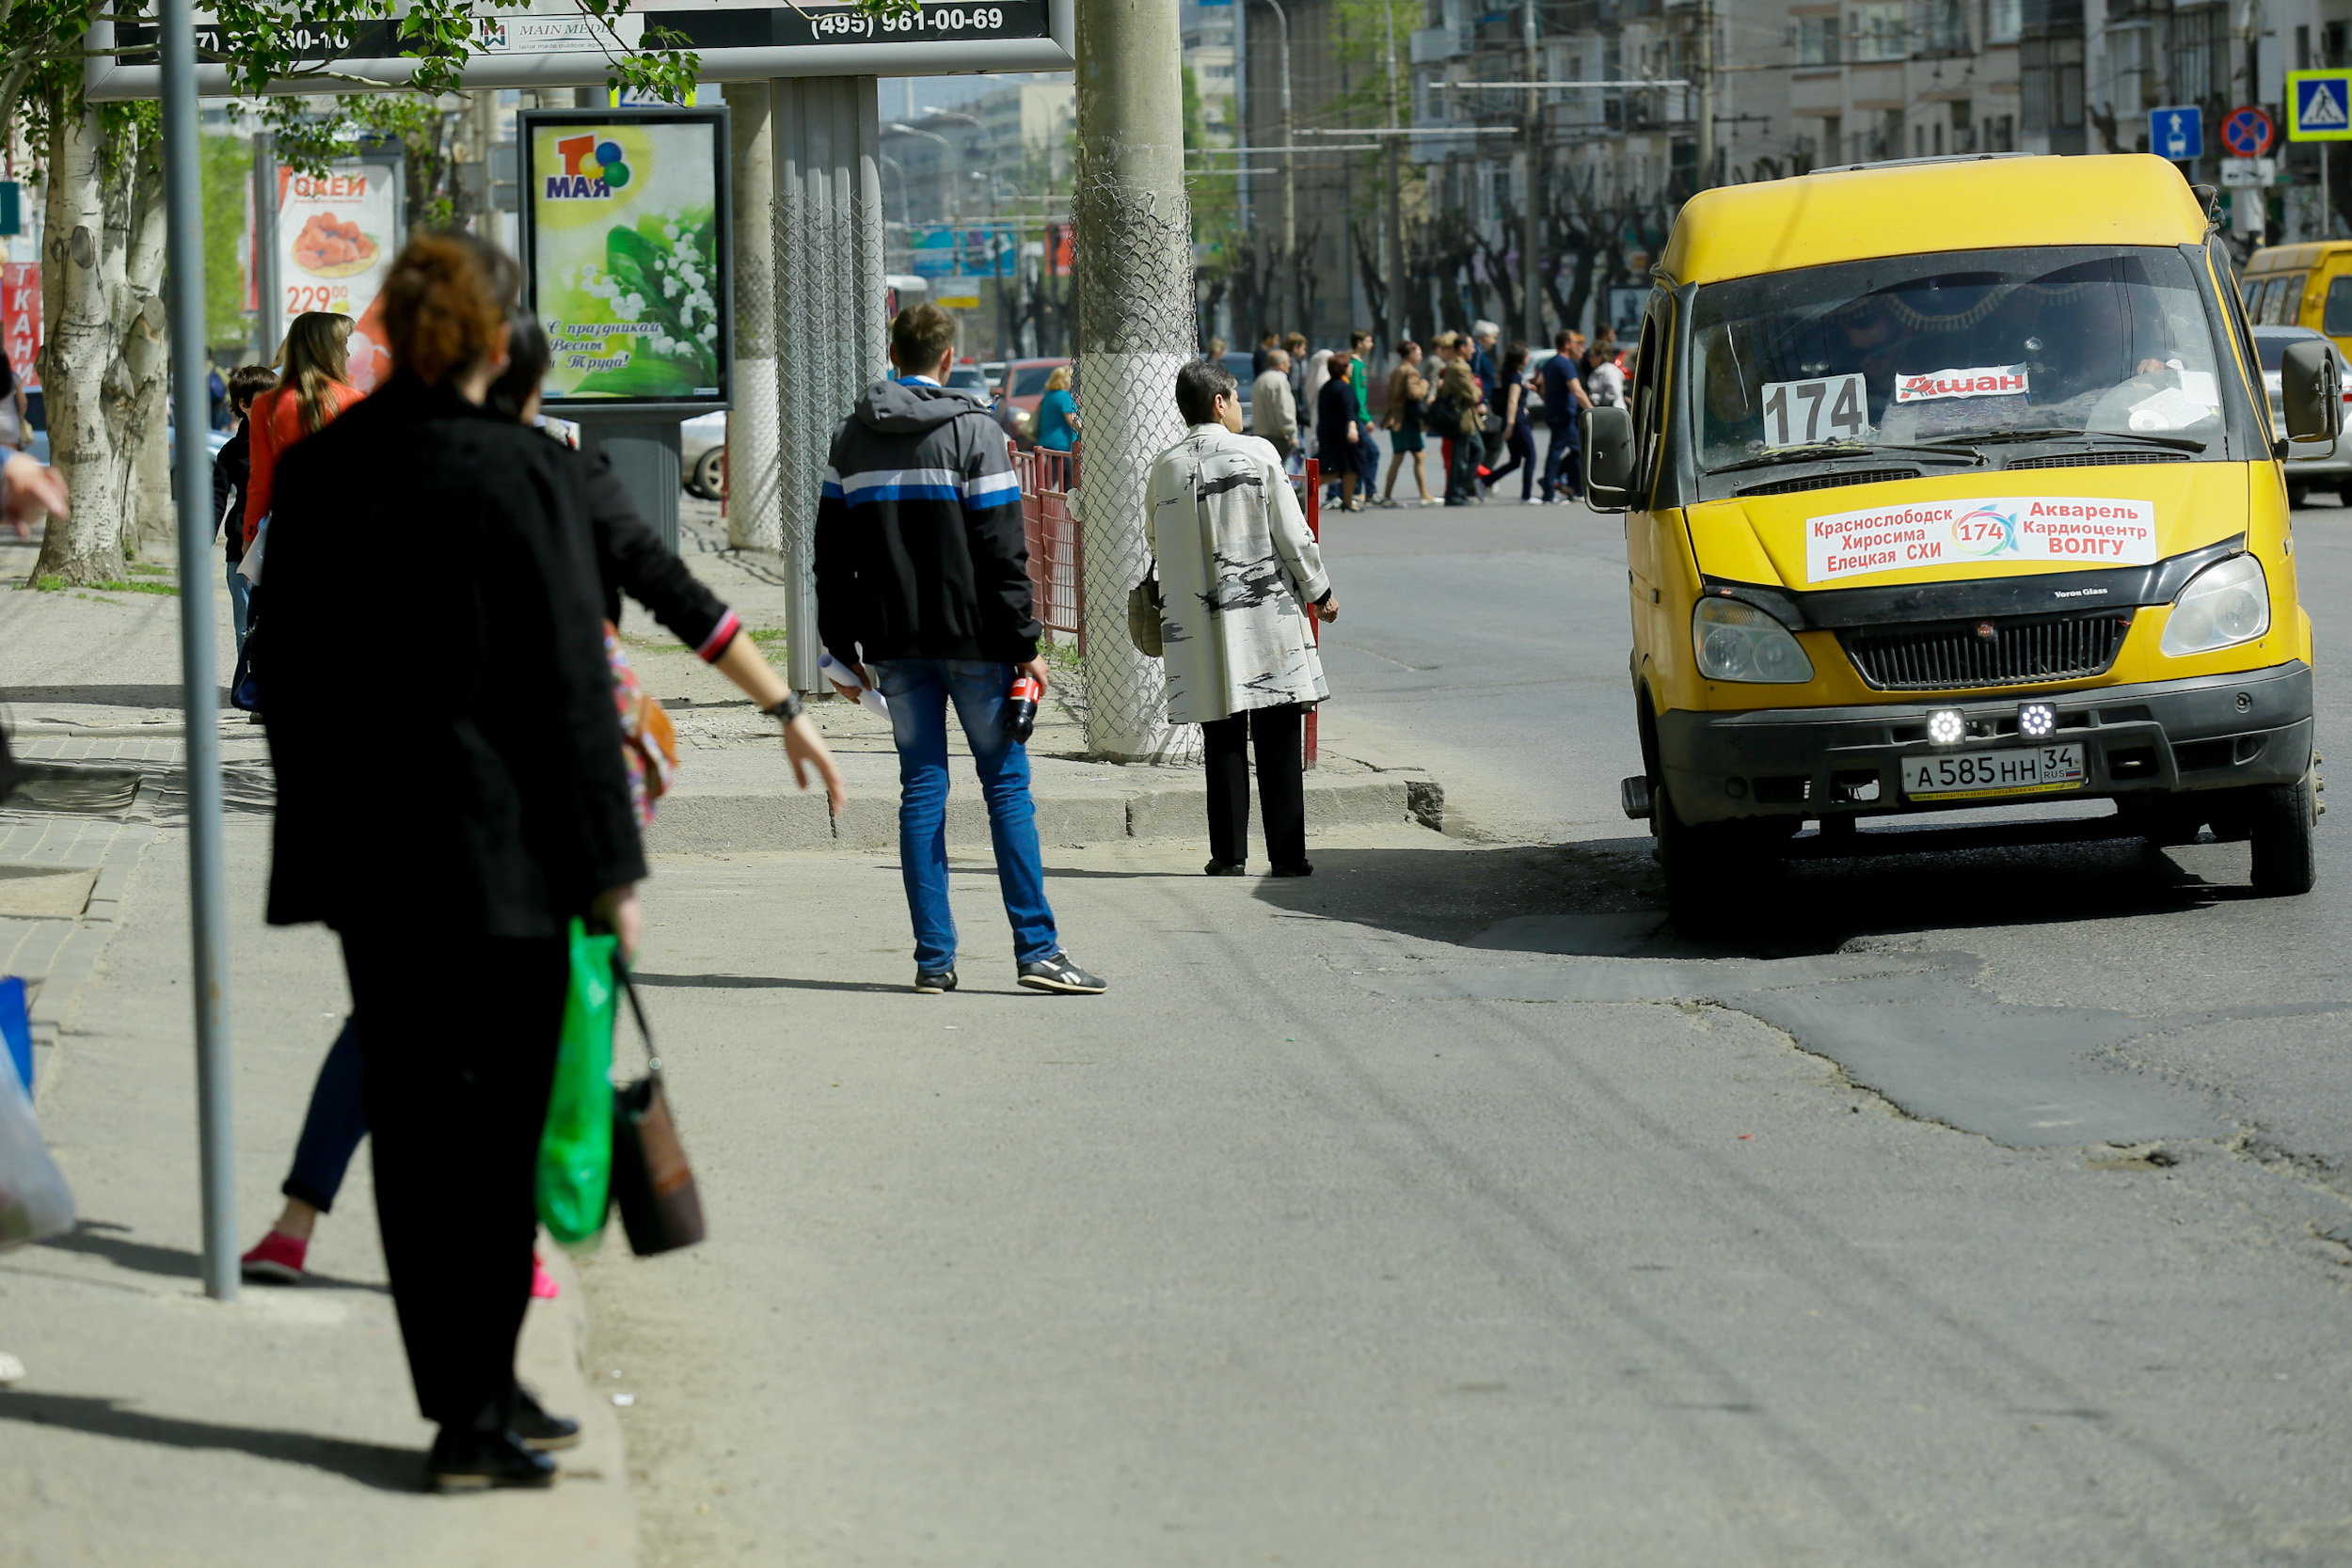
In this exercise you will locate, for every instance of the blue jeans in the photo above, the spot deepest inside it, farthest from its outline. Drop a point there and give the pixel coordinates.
(332, 1127)
(1562, 471)
(918, 689)
(239, 590)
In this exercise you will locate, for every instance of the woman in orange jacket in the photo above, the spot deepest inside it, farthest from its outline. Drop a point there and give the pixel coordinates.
(311, 393)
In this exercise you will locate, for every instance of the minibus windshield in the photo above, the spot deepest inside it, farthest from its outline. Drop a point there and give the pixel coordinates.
(1961, 348)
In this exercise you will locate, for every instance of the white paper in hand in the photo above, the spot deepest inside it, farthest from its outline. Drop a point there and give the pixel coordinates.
(843, 673)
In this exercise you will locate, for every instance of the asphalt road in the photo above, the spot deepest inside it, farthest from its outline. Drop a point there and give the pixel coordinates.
(1984, 1208)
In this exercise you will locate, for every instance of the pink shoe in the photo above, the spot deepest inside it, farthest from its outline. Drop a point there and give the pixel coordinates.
(277, 1261)
(543, 1285)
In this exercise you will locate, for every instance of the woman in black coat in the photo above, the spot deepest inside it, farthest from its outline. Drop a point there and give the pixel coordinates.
(450, 817)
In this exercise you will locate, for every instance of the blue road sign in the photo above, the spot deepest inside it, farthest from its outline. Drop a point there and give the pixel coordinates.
(2319, 105)
(2247, 133)
(2177, 133)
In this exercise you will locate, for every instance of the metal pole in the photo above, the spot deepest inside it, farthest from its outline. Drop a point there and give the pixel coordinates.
(753, 471)
(828, 249)
(1705, 73)
(1399, 315)
(1135, 329)
(266, 300)
(1531, 217)
(1243, 136)
(192, 485)
(1290, 182)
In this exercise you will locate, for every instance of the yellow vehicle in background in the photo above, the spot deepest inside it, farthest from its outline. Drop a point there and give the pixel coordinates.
(2302, 285)
(1952, 483)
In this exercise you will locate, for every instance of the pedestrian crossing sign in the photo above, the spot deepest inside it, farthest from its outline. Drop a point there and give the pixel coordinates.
(2319, 105)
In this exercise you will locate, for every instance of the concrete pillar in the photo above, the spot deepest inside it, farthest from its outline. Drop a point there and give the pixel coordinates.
(830, 331)
(755, 499)
(1135, 329)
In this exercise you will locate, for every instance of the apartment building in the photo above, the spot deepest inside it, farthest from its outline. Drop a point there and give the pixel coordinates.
(1643, 102)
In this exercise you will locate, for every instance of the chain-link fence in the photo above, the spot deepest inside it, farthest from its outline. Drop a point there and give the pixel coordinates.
(1134, 329)
(827, 226)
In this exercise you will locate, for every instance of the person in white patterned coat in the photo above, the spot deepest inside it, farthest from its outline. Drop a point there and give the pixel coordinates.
(1239, 575)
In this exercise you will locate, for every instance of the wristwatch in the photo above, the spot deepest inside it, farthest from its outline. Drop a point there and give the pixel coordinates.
(786, 710)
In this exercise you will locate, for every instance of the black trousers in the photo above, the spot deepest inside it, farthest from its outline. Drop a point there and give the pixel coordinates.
(1282, 783)
(455, 1068)
(1562, 471)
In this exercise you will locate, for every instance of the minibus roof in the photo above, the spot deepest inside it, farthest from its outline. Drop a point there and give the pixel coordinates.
(2295, 257)
(1853, 214)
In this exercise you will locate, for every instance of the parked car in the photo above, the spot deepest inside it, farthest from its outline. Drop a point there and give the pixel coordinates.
(2310, 467)
(702, 454)
(968, 377)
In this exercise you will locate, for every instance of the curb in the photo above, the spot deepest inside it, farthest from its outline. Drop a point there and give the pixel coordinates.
(595, 1524)
(692, 821)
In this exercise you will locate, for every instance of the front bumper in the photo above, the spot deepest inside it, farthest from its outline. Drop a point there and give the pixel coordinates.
(2211, 732)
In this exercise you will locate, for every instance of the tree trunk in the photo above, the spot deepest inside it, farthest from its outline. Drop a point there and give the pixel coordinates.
(79, 348)
(142, 327)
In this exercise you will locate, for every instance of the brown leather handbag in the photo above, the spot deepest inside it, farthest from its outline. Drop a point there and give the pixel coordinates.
(653, 1183)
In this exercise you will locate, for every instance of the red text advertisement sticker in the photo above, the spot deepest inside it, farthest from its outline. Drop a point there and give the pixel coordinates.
(2081, 530)
(1977, 381)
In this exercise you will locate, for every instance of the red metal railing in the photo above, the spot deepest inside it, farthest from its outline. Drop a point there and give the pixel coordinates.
(1057, 551)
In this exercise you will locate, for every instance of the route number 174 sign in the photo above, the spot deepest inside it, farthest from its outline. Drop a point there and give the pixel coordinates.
(1833, 409)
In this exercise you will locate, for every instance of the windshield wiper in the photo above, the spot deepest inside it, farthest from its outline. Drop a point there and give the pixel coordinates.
(2179, 443)
(1814, 451)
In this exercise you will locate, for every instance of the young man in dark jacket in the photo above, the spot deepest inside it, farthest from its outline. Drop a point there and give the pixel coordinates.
(923, 578)
(232, 466)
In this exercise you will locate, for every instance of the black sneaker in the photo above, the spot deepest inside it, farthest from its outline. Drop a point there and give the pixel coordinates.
(1300, 868)
(1225, 868)
(931, 982)
(466, 1459)
(530, 1422)
(1057, 974)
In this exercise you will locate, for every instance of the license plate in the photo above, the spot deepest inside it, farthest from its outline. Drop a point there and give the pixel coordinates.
(1956, 775)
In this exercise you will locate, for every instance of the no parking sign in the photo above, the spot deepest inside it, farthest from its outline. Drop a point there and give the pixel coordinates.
(2247, 133)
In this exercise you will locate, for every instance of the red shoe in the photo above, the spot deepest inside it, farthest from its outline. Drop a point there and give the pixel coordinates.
(277, 1261)
(543, 1285)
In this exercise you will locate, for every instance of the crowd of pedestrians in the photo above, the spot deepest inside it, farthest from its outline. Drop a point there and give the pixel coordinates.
(528, 821)
(1481, 399)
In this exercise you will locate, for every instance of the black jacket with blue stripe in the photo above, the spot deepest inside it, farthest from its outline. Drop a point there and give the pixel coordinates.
(919, 546)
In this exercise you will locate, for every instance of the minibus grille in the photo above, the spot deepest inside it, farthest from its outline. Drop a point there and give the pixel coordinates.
(1827, 481)
(1950, 656)
(2098, 459)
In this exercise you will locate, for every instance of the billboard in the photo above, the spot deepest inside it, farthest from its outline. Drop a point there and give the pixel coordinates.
(337, 235)
(533, 43)
(20, 320)
(944, 250)
(626, 256)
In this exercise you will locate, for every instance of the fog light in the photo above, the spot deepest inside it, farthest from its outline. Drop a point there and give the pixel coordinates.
(2036, 719)
(1946, 726)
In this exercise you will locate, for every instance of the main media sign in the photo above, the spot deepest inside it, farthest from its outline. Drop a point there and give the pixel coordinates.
(626, 249)
(551, 42)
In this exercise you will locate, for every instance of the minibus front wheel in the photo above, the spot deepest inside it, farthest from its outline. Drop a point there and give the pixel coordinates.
(1711, 867)
(2280, 821)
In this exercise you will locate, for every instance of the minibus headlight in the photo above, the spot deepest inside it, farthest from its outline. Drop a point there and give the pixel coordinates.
(1739, 643)
(2226, 603)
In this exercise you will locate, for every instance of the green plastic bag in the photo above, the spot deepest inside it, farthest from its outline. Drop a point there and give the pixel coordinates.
(576, 1151)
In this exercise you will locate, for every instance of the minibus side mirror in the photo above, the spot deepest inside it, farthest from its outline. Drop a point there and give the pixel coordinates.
(1608, 459)
(2310, 392)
